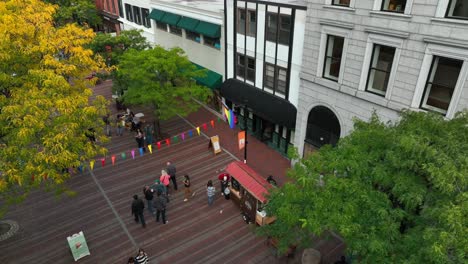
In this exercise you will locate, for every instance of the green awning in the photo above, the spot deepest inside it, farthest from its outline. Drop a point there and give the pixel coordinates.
(171, 19)
(156, 14)
(208, 29)
(188, 23)
(212, 79)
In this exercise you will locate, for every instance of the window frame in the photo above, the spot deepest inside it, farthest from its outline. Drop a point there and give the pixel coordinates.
(329, 3)
(121, 9)
(145, 17)
(378, 4)
(188, 32)
(369, 87)
(175, 30)
(214, 42)
(447, 9)
(129, 12)
(245, 64)
(159, 25)
(447, 52)
(275, 77)
(326, 74)
(247, 12)
(394, 42)
(137, 15)
(339, 32)
(269, 34)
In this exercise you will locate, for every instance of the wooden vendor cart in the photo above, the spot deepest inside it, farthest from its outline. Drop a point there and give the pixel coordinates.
(248, 190)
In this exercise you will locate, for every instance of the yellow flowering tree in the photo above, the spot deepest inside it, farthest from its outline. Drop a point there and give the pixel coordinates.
(46, 115)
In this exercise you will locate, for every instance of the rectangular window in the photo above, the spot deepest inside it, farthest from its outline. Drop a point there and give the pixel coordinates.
(146, 19)
(175, 30)
(246, 63)
(137, 15)
(161, 26)
(341, 2)
(333, 54)
(212, 42)
(192, 36)
(397, 6)
(250, 18)
(457, 9)
(440, 84)
(121, 12)
(380, 68)
(284, 24)
(275, 78)
(128, 12)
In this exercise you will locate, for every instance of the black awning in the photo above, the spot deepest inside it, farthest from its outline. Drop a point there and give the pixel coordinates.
(265, 105)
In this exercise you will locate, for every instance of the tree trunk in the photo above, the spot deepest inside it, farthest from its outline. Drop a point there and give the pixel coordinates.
(156, 123)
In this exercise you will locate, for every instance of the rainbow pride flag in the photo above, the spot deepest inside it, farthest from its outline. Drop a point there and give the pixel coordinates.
(229, 114)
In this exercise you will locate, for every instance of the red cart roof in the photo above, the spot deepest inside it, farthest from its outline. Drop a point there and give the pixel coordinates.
(249, 179)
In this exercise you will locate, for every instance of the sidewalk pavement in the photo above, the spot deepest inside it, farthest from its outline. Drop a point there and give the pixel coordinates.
(263, 159)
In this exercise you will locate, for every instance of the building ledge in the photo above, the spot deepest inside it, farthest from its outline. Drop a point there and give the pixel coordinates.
(341, 8)
(390, 14)
(451, 21)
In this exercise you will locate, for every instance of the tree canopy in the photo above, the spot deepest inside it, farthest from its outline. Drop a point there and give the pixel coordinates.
(82, 12)
(45, 109)
(396, 192)
(161, 79)
(112, 47)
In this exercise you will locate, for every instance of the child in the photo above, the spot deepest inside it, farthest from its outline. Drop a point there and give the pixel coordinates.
(187, 192)
(210, 189)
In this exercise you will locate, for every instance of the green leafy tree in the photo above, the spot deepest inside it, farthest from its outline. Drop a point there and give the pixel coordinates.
(45, 109)
(161, 79)
(396, 192)
(112, 47)
(82, 12)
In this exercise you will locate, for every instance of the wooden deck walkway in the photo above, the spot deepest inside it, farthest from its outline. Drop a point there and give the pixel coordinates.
(195, 233)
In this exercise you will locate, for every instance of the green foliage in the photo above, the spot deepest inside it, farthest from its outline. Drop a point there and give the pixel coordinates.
(112, 47)
(161, 79)
(396, 192)
(82, 12)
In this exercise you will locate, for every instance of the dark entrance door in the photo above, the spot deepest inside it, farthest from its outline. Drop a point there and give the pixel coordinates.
(323, 128)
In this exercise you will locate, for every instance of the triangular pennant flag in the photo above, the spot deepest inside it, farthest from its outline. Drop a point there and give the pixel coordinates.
(212, 123)
(46, 176)
(219, 119)
(141, 151)
(91, 164)
(103, 162)
(198, 130)
(204, 126)
(124, 156)
(32, 177)
(182, 136)
(133, 153)
(80, 168)
(174, 139)
(190, 133)
(159, 144)
(113, 160)
(168, 142)
(150, 147)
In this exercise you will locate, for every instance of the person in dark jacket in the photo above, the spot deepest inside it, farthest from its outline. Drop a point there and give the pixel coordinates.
(148, 192)
(171, 170)
(137, 210)
(160, 203)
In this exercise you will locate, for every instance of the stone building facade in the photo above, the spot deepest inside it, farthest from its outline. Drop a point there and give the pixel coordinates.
(382, 56)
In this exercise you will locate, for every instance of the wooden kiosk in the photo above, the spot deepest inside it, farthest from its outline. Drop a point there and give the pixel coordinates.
(248, 190)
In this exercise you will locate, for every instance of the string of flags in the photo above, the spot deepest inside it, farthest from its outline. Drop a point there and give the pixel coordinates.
(141, 152)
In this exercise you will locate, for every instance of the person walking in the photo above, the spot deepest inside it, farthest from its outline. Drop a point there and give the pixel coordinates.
(160, 205)
(165, 180)
(139, 137)
(158, 186)
(107, 121)
(120, 124)
(141, 257)
(148, 193)
(210, 190)
(149, 131)
(171, 170)
(137, 210)
(224, 181)
(187, 190)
